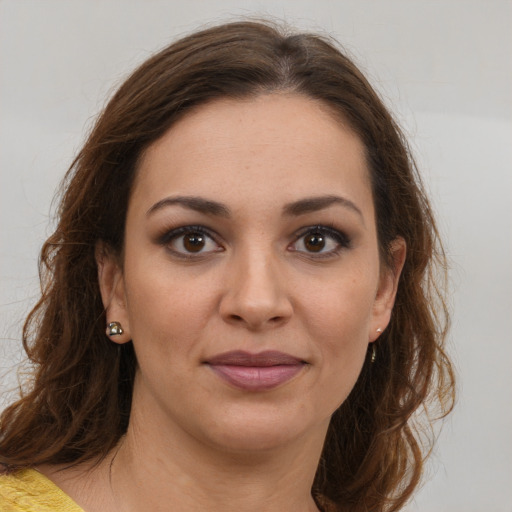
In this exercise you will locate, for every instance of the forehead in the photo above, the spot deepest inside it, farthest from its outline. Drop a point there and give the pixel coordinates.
(274, 147)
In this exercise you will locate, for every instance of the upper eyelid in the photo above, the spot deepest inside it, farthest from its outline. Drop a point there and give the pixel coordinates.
(324, 229)
(170, 234)
(318, 227)
(342, 240)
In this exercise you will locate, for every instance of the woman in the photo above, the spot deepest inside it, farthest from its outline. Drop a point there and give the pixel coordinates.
(247, 223)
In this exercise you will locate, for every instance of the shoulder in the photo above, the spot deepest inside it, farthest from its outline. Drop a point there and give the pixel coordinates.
(30, 491)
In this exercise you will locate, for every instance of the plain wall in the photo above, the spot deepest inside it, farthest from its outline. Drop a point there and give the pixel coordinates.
(444, 68)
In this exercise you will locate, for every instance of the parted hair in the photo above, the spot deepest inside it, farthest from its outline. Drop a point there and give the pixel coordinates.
(77, 405)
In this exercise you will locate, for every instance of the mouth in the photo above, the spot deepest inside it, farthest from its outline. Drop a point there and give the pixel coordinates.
(255, 372)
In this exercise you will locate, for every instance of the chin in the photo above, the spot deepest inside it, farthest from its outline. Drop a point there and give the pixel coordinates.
(253, 441)
(260, 430)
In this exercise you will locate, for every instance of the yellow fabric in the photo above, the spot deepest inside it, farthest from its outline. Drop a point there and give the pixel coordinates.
(30, 491)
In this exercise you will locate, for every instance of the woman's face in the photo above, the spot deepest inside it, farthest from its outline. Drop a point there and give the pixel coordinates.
(251, 283)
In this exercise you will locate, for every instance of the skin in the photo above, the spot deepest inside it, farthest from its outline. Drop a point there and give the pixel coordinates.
(195, 440)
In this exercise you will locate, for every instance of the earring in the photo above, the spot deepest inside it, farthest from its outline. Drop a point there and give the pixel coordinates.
(374, 348)
(114, 329)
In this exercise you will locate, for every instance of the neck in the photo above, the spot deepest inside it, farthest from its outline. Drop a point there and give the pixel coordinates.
(155, 466)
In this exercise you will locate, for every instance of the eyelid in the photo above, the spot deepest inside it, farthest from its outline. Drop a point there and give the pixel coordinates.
(171, 234)
(341, 238)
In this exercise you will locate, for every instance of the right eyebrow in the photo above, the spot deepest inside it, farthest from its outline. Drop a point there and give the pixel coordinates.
(198, 204)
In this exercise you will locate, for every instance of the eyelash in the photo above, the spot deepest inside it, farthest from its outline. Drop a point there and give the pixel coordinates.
(175, 234)
(341, 239)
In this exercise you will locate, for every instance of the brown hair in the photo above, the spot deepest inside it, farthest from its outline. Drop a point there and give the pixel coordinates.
(79, 402)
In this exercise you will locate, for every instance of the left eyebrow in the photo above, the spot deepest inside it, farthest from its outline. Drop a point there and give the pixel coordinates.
(314, 204)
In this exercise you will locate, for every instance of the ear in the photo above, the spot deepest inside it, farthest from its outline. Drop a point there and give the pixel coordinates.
(386, 292)
(111, 282)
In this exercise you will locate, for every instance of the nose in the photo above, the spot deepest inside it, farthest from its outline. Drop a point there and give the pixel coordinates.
(255, 295)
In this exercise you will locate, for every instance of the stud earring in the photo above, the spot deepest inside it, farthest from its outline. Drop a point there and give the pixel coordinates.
(374, 353)
(379, 330)
(114, 329)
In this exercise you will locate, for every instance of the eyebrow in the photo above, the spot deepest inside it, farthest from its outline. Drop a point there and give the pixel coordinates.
(198, 204)
(296, 208)
(313, 204)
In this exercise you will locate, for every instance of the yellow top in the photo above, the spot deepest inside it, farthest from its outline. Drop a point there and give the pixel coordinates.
(30, 491)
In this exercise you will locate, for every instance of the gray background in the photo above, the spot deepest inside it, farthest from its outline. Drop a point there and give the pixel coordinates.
(444, 68)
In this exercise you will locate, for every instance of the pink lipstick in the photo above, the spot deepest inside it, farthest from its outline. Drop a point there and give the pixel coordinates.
(255, 372)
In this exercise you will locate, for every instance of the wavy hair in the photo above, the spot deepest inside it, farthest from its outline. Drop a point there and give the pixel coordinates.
(78, 404)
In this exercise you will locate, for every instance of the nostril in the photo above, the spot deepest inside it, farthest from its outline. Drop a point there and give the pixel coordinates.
(273, 320)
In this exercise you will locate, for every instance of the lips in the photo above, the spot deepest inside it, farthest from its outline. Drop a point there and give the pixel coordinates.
(255, 372)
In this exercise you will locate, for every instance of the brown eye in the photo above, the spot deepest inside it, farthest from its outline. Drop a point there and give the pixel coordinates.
(320, 242)
(189, 242)
(314, 242)
(194, 242)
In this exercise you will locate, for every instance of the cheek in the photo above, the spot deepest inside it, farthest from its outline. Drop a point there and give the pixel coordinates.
(342, 308)
(165, 309)
(338, 323)
(341, 355)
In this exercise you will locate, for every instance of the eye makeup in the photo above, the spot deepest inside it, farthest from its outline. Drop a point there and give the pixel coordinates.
(320, 241)
(190, 241)
(195, 241)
